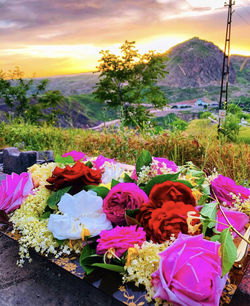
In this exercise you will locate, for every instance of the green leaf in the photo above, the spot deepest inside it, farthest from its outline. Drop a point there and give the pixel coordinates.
(130, 216)
(87, 258)
(185, 183)
(45, 215)
(215, 238)
(144, 159)
(114, 182)
(60, 242)
(101, 191)
(206, 188)
(55, 198)
(158, 180)
(228, 250)
(128, 179)
(200, 181)
(209, 210)
(64, 160)
(89, 164)
(110, 267)
(202, 200)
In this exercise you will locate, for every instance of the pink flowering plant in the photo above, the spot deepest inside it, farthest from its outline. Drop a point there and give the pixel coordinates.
(13, 190)
(120, 239)
(122, 197)
(224, 188)
(113, 223)
(189, 262)
(76, 155)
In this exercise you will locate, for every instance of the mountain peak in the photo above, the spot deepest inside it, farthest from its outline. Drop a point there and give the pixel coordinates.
(195, 63)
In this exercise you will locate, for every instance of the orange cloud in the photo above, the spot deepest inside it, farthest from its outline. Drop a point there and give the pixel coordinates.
(65, 36)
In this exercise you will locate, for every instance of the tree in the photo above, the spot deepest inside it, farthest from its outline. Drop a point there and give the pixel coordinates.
(28, 99)
(129, 81)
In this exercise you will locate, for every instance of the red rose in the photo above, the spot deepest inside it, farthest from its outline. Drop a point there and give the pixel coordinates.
(171, 191)
(166, 211)
(171, 218)
(76, 176)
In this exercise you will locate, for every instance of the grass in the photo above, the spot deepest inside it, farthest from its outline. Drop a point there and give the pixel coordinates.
(198, 145)
(90, 105)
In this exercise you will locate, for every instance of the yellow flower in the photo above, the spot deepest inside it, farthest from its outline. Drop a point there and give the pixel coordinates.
(85, 233)
(131, 251)
(191, 179)
(197, 194)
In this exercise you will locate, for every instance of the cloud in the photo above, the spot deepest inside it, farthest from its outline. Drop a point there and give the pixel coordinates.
(31, 26)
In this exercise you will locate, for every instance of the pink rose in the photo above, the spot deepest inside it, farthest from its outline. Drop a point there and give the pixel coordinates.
(100, 161)
(167, 163)
(76, 155)
(14, 189)
(121, 197)
(236, 218)
(190, 272)
(222, 186)
(120, 239)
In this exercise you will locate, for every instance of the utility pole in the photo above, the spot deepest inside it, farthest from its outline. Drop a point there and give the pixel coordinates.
(225, 67)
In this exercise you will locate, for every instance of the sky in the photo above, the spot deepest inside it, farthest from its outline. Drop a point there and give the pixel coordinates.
(55, 37)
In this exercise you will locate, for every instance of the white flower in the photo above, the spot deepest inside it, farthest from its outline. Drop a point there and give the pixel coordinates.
(81, 211)
(112, 171)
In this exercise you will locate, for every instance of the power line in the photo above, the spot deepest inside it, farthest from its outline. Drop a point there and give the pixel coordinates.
(242, 18)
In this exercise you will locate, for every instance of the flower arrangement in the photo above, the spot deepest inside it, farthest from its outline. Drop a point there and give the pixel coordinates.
(156, 223)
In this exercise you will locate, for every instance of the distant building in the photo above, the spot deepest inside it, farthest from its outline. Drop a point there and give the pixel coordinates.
(201, 103)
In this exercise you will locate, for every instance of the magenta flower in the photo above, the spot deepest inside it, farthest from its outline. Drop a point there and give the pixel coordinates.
(120, 239)
(222, 186)
(121, 197)
(14, 189)
(76, 155)
(190, 272)
(162, 163)
(236, 218)
(100, 161)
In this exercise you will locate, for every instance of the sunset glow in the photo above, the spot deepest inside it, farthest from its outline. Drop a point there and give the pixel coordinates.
(65, 36)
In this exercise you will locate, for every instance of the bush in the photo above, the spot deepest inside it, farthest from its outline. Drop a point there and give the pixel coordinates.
(204, 150)
(205, 115)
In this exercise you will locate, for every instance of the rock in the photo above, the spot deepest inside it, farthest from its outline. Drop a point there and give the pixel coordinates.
(1, 157)
(18, 162)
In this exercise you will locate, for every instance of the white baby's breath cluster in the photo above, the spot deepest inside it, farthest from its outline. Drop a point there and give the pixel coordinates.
(34, 232)
(213, 175)
(145, 261)
(238, 204)
(148, 172)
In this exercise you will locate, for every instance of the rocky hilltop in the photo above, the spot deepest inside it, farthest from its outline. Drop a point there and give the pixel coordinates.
(195, 63)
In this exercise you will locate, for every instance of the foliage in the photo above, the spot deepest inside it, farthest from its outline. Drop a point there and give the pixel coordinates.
(243, 102)
(180, 125)
(234, 109)
(129, 81)
(205, 115)
(27, 100)
(198, 144)
(90, 105)
(230, 127)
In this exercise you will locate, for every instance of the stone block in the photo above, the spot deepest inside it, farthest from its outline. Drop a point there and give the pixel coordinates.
(18, 162)
(1, 157)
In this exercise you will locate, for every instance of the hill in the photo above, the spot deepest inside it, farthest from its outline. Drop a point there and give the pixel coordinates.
(195, 63)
